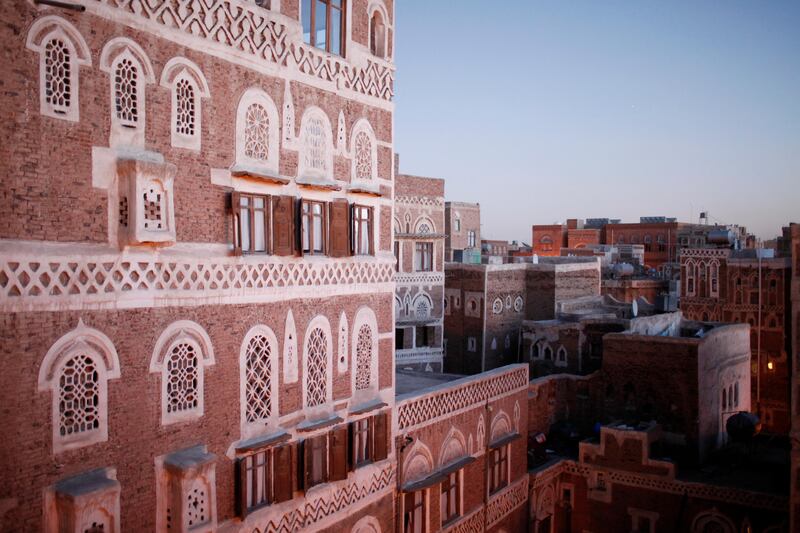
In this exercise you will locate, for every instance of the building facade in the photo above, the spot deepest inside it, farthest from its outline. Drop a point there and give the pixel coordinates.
(197, 266)
(739, 286)
(419, 294)
(463, 228)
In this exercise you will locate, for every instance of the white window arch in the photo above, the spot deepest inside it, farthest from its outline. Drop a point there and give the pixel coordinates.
(561, 356)
(378, 29)
(364, 152)
(62, 51)
(424, 225)
(317, 366)
(129, 70)
(258, 380)
(257, 134)
(77, 369)
(453, 448)
(364, 345)
(712, 520)
(316, 145)
(690, 278)
(188, 86)
(500, 427)
(422, 306)
(180, 355)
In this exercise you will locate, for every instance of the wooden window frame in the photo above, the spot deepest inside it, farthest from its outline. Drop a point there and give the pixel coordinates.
(419, 248)
(362, 429)
(236, 208)
(358, 228)
(306, 224)
(451, 491)
(312, 24)
(498, 469)
(269, 477)
(410, 506)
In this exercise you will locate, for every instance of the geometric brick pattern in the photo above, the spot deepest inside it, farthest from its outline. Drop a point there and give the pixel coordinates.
(27, 283)
(502, 504)
(427, 407)
(245, 29)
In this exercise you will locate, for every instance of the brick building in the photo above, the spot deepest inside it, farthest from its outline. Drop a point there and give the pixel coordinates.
(485, 306)
(419, 295)
(196, 258)
(792, 242)
(741, 286)
(463, 228)
(462, 455)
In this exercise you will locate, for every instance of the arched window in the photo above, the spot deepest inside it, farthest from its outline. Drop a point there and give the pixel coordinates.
(377, 34)
(561, 356)
(690, 278)
(258, 380)
(548, 353)
(364, 152)
(76, 369)
(62, 51)
(365, 354)
(422, 307)
(180, 355)
(257, 134)
(363, 357)
(546, 243)
(188, 86)
(724, 398)
(129, 71)
(317, 375)
(316, 145)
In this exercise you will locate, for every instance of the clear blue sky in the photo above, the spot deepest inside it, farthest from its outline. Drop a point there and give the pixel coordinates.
(543, 111)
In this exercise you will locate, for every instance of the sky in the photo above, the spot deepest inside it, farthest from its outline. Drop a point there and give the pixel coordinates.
(548, 110)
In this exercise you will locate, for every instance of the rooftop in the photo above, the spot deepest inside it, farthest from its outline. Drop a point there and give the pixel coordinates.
(407, 381)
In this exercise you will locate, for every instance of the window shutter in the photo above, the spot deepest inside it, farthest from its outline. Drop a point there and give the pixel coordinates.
(282, 469)
(371, 231)
(351, 463)
(235, 198)
(241, 487)
(338, 454)
(307, 463)
(283, 222)
(340, 226)
(381, 437)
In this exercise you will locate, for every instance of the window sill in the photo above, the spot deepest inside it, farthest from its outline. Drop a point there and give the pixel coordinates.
(318, 183)
(257, 173)
(311, 425)
(367, 407)
(367, 189)
(262, 441)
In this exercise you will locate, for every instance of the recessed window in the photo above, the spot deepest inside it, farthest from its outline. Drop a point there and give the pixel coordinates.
(324, 24)
(362, 442)
(423, 258)
(414, 512)
(377, 35)
(313, 214)
(471, 239)
(251, 222)
(498, 469)
(362, 230)
(451, 498)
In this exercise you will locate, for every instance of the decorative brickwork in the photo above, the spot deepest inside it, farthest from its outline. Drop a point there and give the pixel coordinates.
(504, 502)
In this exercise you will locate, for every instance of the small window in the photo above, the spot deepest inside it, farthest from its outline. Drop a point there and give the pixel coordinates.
(399, 338)
(264, 477)
(317, 457)
(324, 24)
(451, 498)
(414, 512)
(423, 259)
(362, 442)
(377, 35)
(471, 344)
(458, 224)
(251, 223)
(471, 239)
(498, 469)
(397, 256)
(362, 230)
(314, 219)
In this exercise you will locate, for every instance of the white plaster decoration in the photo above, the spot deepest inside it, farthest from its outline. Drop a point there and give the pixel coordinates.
(518, 304)
(424, 354)
(379, 37)
(516, 416)
(481, 432)
(420, 279)
(502, 503)
(418, 463)
(188, 86)
(186, 494)
(257, 134)
(76, 369)
(367, 524)
(317, 367)
(453, 448)
(398, 307)
(316, 145)
(146, 202)
(42, 276)
(62, 51)
(712, 520)
(341, 135)
(497, 306)
(365, 355)
(258, 381)
(342, 352)
(180, 355)
(424, 226)
(290, 362)
(288, 116)
(561, 357)
(422, 306)
(460, 395)
(87, 502)
(363, 152)
(500, 427)
(129, 70)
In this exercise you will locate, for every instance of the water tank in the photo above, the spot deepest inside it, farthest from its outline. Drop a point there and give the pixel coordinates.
(721, 236)
(623, 270)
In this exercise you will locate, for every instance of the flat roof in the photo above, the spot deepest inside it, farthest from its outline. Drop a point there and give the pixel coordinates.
(413, 380)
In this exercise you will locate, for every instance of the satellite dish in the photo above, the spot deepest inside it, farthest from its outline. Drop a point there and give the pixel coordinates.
(634, 308)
